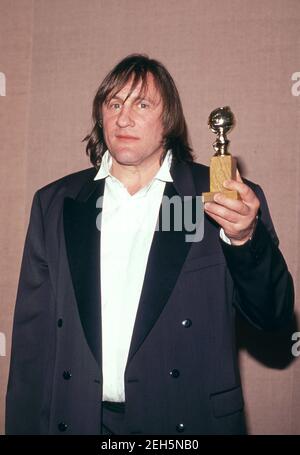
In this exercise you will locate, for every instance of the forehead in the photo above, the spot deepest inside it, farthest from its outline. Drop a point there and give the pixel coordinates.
(142, 88)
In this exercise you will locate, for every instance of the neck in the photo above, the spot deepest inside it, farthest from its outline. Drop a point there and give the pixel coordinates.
(135, 177)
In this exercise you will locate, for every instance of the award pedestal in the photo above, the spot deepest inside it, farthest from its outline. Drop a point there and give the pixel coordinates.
(222, 167)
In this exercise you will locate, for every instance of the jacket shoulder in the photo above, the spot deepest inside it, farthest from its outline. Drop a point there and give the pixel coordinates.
(70, 183)
(72, 179)
(68, 186)
(198, 168)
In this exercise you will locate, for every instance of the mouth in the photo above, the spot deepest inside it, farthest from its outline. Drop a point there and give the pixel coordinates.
(124, 137)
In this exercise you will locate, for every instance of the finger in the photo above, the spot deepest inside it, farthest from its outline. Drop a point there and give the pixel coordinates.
(238, 176)
(232, 204)
(226, 225)
(222, 212)
(246, 193)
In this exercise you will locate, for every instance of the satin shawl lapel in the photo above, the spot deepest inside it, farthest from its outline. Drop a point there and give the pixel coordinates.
(83, 251)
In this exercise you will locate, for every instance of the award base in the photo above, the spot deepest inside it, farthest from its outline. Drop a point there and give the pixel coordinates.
(222, 167)
(209, 197)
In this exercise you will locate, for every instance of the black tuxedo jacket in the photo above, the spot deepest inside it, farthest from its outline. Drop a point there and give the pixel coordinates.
(182, 373)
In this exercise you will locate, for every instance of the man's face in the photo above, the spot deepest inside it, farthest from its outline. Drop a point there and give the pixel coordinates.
(133, 129)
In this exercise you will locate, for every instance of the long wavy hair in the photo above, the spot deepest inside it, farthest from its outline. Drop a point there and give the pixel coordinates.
(135, 68)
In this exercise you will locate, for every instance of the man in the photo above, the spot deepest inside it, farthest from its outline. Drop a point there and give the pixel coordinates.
(122, 328)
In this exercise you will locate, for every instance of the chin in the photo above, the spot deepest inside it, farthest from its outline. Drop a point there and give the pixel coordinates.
(126, 156)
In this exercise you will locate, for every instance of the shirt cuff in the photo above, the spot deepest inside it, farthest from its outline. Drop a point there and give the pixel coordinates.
(224, 237)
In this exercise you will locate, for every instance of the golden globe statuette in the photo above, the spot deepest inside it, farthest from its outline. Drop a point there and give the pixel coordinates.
(222, 164)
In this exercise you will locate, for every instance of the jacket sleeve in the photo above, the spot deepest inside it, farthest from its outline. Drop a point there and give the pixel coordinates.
(263, 286)
(28, 393)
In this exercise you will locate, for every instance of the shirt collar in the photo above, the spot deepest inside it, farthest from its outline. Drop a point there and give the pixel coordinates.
(163, 172)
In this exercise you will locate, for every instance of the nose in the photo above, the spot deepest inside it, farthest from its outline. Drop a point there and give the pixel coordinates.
(125, 117)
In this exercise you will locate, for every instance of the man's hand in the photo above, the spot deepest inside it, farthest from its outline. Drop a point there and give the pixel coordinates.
(236, 217)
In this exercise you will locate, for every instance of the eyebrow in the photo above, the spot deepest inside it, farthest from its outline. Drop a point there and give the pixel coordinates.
(137, 98)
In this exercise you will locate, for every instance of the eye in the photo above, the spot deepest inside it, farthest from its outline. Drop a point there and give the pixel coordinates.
(116, 106)
(143, 105)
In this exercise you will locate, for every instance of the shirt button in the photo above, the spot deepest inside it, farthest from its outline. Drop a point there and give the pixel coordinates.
(62, 426)
(174, 373)
(67, 375)
(60, 323)
(187, 323)
(180, 427)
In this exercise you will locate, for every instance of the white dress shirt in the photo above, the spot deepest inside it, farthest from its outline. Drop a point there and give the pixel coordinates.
(127, 228)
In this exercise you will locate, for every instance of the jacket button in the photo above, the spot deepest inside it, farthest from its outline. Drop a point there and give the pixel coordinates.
(67, 375)
(174, 373)
(180, 427)
(60, 323)
(187, 323)
(62, 426)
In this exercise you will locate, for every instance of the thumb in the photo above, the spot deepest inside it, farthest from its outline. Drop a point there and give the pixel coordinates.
(238, 176)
